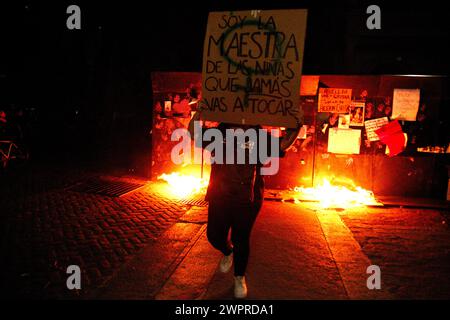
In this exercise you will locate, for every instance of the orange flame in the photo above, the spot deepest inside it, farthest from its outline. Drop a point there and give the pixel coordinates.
(183, 185)
(337, 196)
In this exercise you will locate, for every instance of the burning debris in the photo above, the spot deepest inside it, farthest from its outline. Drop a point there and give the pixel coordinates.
(330, 193)
(184, 184)
(343, 194)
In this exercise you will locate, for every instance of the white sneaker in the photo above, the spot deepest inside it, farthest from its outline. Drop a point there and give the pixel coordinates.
(240, 287)
(226, 262)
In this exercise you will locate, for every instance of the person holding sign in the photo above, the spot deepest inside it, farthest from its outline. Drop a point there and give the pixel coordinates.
(236, 187)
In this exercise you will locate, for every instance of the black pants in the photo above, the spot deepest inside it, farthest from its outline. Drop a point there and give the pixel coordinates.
(223, 216)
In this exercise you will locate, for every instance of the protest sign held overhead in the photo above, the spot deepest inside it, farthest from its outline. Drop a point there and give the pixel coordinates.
(252, 67)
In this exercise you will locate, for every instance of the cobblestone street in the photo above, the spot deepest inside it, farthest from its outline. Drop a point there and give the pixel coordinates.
(46, 228)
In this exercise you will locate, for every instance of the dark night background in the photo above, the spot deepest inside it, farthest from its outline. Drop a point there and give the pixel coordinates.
(87, 93)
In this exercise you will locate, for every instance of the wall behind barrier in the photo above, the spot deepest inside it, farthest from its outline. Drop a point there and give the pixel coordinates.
(420, 170)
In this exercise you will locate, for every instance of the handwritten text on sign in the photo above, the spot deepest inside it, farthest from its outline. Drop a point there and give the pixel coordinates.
(406, 104)
(252, 67)
(334, 100)
(373, 125)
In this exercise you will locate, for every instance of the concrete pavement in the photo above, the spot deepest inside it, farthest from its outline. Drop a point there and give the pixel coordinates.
(300, 252)
(290, 259)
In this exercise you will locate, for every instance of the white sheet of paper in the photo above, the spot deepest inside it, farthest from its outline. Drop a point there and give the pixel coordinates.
(344, 141)
(405, 104)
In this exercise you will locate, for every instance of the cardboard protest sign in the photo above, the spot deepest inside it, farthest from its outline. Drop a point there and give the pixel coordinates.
(356, 112)
(345, 141)
(374, 124)
(252, 67)
(334, 100)
(405, 104)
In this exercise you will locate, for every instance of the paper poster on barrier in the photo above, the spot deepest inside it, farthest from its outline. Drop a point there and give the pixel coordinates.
(356, 112)
(405, 104)
(252, 67)
(344, 121)
(344, 141)
(374, 124)
(334, 100)
(168, 106)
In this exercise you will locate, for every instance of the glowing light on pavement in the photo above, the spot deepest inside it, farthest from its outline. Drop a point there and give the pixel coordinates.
(184, 185)
(330, 195)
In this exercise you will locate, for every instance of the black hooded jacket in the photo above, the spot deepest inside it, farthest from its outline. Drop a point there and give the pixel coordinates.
(240, 183)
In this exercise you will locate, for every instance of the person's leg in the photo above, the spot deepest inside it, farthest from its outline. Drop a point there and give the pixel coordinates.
(219, 223)
(243, 219)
